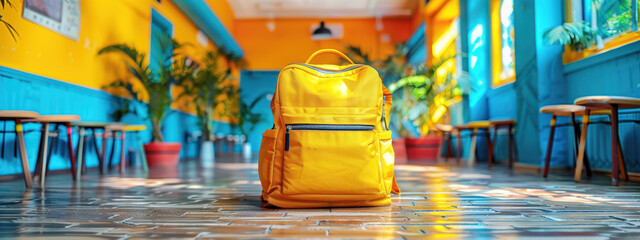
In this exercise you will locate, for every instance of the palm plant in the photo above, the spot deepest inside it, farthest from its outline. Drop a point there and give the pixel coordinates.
(577, 36)
(9, 27)
(248, 119)
(204, 90)
(157, 86)
(422, 93)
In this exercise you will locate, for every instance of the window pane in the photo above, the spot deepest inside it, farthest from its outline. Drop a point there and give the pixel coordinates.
(508, 56)
(613, 17)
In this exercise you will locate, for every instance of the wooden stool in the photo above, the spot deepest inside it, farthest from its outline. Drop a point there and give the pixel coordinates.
(446, 131)
(613, 103)
(116, 128)
(474, 127)
(509, 124)
(565, 110)
(46, 121)
(17, 117)
(84, 126)
(138, 129)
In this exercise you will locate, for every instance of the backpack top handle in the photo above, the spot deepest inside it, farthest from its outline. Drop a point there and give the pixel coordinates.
(332, 51)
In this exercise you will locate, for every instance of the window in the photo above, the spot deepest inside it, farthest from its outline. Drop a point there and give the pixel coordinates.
(611, 18)
(503, 51)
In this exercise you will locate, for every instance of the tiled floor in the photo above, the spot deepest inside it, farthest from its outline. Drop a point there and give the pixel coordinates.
(437, 202)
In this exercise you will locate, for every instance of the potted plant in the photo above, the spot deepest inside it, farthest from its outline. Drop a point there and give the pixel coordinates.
(422, 100)
(247, 120)
(203, 91)
(156, 88)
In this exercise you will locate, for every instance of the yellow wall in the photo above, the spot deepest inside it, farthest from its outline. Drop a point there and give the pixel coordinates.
(43, 52)
(291, 41)
(224, 12)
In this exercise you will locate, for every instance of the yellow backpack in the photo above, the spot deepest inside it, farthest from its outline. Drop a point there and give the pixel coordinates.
(330, 146)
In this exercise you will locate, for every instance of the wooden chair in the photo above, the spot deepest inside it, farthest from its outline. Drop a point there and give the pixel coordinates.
(83, 129)
(46, 121)
(612, 103)
(509, 124)
(17, 117)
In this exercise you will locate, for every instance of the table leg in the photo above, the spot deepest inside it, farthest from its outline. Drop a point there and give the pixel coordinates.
(122, 151)
(547, 158)
(23, 154)
(113, 146)
(94, 139)
(623, 167)
(510, 142)
(440, 145)
(583, 143)
(143, 155)
(459, 146)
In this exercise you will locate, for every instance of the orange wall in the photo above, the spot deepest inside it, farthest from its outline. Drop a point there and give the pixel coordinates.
(291, 41)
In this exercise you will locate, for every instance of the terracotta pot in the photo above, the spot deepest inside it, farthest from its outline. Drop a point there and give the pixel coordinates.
(162, 154)
(423, 148)
(400, 149)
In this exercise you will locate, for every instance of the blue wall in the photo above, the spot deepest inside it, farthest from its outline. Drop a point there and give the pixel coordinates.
(252, 85)
(48, 96)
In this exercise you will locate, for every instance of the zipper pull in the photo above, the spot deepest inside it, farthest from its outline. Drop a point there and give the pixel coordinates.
(286, 138)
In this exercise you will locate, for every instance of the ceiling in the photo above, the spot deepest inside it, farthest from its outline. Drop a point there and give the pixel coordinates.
(247, 9)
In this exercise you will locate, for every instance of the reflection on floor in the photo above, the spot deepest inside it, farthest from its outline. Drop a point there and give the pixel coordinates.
(437, 202)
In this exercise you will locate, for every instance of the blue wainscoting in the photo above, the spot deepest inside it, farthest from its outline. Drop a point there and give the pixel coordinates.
(252, 85)
(615, 72)
(25, 91)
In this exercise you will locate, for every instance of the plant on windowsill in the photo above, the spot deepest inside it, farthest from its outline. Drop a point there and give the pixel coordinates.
(203, 92)
(577, 36)
(157, 89)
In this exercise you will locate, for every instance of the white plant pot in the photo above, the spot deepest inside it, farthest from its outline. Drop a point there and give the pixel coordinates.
(246, 151)
(207, 156)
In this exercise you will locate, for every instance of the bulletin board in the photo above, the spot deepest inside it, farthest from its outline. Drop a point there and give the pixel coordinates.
(61, 16)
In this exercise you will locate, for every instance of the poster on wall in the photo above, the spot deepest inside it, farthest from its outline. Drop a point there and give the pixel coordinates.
(61, 16)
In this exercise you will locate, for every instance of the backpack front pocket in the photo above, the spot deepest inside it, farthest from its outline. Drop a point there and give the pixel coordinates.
(331, 159)
(267, 152)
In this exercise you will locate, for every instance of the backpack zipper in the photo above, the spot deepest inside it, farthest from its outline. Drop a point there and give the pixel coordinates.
(325, 71)
(323, 127)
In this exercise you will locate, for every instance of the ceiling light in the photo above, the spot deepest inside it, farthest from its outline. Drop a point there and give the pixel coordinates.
(321, 32)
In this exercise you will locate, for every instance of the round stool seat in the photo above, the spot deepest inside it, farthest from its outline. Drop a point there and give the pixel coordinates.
(135, 128)
(605, 101)
(116, 127)
(54, 118)
(479, 124)
(444, 127)
(89, 124)
(17, 114)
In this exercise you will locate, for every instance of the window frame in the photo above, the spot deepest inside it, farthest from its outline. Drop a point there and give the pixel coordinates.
(496, 48)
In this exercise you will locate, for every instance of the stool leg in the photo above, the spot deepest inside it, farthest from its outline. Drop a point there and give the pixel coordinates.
(113, 146)
(81, 133)
(143, 156)
(103, 150)
(23, 154)
(459, 147)
(487, 134)
(472, 148)
(442, 141)
(583, 143)
(94, 139)
(547, 158)
(4, 128)
(510, 132)
(72, 156)
(36, 171)
(45, 144)
(623, 167)
(576, 133)
(122, 150)
(615, 178)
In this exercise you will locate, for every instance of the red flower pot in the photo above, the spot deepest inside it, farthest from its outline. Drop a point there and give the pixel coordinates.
(423, 148)
(162, 154)
(400, 149)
